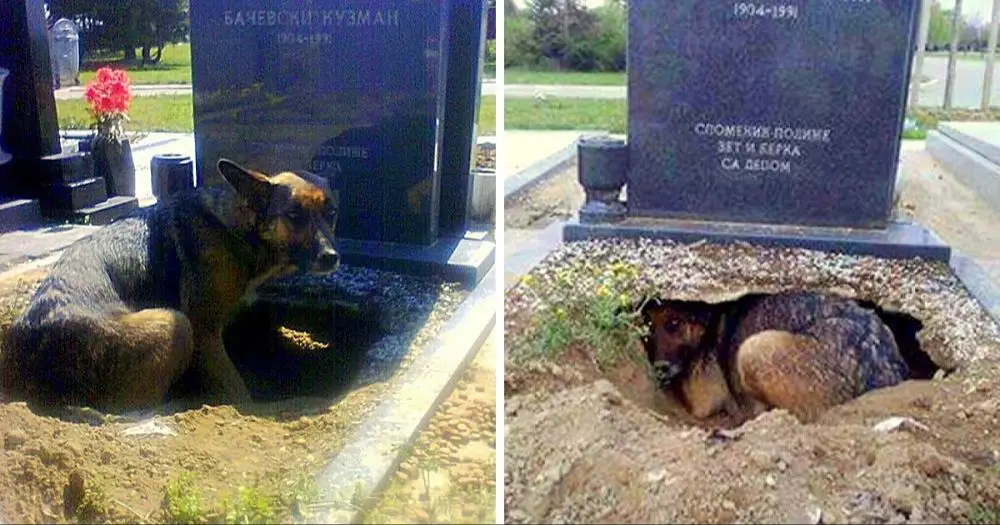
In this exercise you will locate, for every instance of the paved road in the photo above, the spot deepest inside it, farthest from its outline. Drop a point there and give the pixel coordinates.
(968, 83)
(968, 87)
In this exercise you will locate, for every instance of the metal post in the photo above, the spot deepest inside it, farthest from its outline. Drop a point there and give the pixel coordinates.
(918, 59)
(956, 30)
(991, 56)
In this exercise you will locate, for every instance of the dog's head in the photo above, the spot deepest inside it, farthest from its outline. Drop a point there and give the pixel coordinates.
(296, 215)
(676, 333)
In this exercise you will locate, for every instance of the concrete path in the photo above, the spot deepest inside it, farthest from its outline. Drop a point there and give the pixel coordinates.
(524, 148)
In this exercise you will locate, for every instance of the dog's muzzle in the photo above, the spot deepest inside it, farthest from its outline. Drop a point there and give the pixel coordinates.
(667, 370)
(327, 259)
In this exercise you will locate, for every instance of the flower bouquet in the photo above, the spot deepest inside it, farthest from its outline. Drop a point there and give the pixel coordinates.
(110, 95)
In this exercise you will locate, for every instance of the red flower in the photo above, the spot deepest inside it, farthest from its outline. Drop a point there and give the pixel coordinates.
(110, 92)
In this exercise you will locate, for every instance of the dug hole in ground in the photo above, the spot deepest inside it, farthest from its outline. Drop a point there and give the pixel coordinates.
(218, 464)
(590, 437)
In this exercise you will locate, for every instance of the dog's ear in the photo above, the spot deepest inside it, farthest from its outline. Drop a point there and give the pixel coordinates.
(253, 186)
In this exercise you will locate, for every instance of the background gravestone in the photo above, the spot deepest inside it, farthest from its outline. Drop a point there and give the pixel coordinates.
(65, 47)
(351, 90)
(788, 113)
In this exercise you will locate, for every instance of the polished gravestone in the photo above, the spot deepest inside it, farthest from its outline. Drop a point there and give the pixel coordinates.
(772, 123)
(787, 112)
(356, 92)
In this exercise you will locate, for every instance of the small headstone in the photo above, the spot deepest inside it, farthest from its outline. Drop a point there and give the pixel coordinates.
(65, 48)
(787, 113)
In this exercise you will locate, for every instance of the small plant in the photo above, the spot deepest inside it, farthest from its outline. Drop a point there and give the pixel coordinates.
(183, 502)
(598, 309)
(94, 506)
(252, 505)
(298, 494)
(979, 514)
(110, 95)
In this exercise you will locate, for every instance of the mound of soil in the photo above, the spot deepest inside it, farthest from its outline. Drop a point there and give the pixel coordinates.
(601, 444)
(126, 462)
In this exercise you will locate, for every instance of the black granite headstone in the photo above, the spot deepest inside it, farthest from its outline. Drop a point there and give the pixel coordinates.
(467, 50)
(776, 112)
(353, 90)
(29, 112)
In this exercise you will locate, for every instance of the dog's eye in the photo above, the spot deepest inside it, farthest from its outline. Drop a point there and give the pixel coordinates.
(672, 325)
(297, 217)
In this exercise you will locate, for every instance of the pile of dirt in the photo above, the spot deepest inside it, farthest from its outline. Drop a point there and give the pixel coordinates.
(601, 444)
(272, 451)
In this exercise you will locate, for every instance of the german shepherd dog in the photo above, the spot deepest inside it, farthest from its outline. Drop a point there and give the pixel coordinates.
(138, 307)
(800, 351)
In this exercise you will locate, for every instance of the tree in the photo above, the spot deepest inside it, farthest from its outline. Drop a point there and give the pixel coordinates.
(939, 30)
(561, 30)
(509, 8)
(127, 24)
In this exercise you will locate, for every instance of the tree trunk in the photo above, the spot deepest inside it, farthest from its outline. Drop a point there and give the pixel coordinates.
(918, 61)
(990, 57)
(949, 82)
(129, 53)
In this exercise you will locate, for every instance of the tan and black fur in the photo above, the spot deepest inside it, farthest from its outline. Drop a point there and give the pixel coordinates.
(138, 307)
(800, 351)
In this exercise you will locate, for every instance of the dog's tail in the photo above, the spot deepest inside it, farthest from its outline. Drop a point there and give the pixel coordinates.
(86, 359)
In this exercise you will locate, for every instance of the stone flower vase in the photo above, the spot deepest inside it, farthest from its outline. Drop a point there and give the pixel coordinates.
(113, 161)
(601, 169)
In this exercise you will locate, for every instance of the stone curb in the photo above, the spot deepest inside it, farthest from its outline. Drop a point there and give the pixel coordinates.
(977, 282)
(365, 465)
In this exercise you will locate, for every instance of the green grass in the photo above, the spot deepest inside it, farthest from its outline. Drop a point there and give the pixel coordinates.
(173, 68)
(565, 114)
(525, 76)
(488, 115)
(173, 113)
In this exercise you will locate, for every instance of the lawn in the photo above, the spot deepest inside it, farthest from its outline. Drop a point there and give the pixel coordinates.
(609, 115)
(174, 67)
(577, 78)
(173, 113)
(565, 114)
